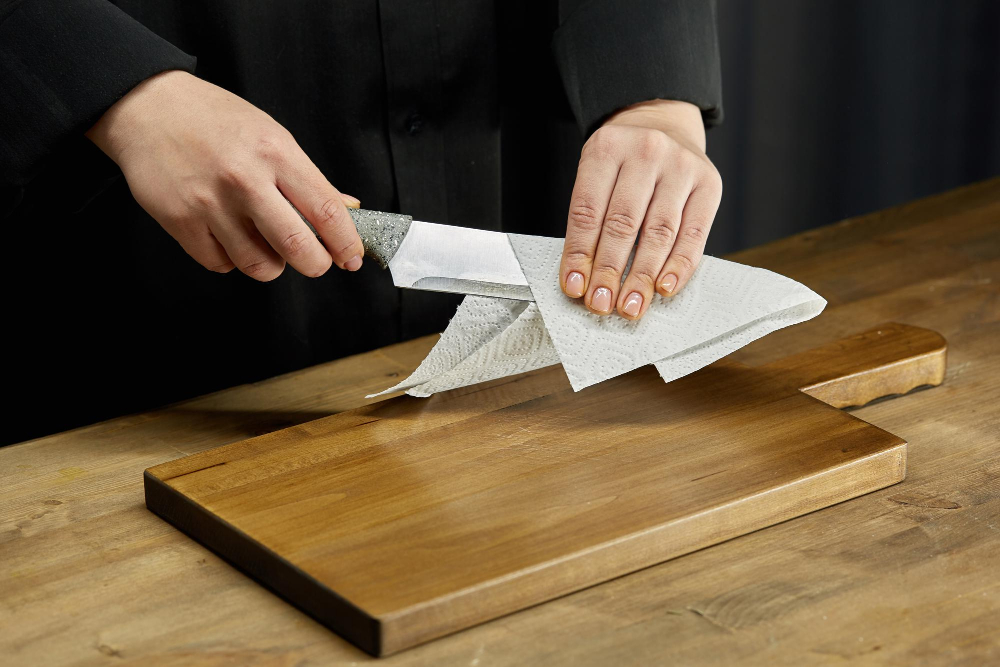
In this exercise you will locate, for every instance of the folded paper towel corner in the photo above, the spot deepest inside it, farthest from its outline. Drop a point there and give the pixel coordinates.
(724, 306)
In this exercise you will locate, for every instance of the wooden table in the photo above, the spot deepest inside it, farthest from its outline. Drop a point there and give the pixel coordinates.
(908, 575)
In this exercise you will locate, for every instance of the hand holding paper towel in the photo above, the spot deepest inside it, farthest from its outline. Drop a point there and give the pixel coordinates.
(724, 307)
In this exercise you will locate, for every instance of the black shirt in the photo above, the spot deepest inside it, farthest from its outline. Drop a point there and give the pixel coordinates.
(469, 113)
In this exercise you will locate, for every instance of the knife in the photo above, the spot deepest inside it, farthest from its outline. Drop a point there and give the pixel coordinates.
(441, 258)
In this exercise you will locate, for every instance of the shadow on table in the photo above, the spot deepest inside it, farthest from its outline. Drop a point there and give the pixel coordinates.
(227, 425)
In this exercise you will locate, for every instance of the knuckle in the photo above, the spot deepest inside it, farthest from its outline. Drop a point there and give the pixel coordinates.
(198, 198)
(345, 251)
(270, 146)
(643, 276)
(621, 226)
(713, 181)
(601, 143)
(263, 270)
(294, 245)
(607, 269)
(686, 161)
(584, 216)
(255, 268)
(225, 267)
(683, 261)
(652, 145)
(331, 213)
(236, 175)
(319, 270)
(204, 255)
(342, 247)
(576, 257)
(694, 233)
(659, 231)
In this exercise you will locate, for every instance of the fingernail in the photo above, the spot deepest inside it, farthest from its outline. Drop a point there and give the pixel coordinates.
(352, 202)
(353, 264)
(633, 304)
(574, 284)
(669, 283)
(602, 300)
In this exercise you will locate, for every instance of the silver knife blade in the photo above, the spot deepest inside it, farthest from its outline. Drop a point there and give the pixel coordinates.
(445, 258)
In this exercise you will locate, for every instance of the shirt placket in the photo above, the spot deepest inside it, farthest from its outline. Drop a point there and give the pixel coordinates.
(414, 91)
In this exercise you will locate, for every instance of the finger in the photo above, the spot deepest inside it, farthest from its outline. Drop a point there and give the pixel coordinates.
(626, 210)
(203, 247)
(659, 230)
(305, 186)
(247, 249)
(699, 213)
(284, 230)
(595, 181)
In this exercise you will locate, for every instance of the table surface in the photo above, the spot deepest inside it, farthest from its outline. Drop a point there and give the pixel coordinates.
(906, 575)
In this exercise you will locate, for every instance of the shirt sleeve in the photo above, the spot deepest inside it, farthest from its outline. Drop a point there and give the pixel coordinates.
(63, 63)
(613, 53)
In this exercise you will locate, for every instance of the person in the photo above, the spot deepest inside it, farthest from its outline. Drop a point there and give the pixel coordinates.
(583, 118)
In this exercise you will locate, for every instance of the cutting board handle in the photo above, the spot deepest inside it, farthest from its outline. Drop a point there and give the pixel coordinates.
(889, 359)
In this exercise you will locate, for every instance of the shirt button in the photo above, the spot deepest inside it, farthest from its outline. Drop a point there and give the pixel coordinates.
(414, 123)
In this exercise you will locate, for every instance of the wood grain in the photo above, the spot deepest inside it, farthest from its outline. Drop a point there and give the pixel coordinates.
(853, 371)
(404, 521)
(901, 576)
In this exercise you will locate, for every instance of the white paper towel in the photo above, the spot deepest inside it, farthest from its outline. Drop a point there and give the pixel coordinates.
(723, 307)
(488, 338)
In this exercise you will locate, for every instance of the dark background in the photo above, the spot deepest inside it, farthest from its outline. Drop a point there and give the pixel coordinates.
(835, 108)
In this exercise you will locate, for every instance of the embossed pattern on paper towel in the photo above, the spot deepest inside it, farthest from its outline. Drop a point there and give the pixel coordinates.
(724, 306)
(488, 338)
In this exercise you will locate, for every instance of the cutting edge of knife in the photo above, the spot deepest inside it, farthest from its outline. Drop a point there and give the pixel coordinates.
(473, 288)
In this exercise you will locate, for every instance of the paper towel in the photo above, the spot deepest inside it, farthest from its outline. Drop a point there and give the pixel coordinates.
(488, 338)
(724, 306)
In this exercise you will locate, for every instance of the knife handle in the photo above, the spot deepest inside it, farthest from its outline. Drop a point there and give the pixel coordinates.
(380, 232)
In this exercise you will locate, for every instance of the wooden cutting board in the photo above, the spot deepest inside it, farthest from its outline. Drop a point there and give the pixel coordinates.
(409, 519)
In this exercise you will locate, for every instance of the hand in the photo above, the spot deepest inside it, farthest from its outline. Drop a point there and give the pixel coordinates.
(218, 173)
(643, 174)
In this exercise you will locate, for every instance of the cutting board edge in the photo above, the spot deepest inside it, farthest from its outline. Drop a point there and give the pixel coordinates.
(264, 566)
(430, 620)
(382, 635)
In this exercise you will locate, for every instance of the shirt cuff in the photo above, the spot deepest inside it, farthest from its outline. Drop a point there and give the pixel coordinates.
(614, 53)
(63, 63)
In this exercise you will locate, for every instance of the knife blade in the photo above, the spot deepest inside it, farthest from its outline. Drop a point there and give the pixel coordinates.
(441, 258)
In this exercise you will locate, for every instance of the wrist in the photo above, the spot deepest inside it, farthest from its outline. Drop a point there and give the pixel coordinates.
(118, 127)
(678, 119)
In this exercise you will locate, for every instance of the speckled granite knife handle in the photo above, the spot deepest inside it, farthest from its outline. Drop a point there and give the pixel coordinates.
(380, 232)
